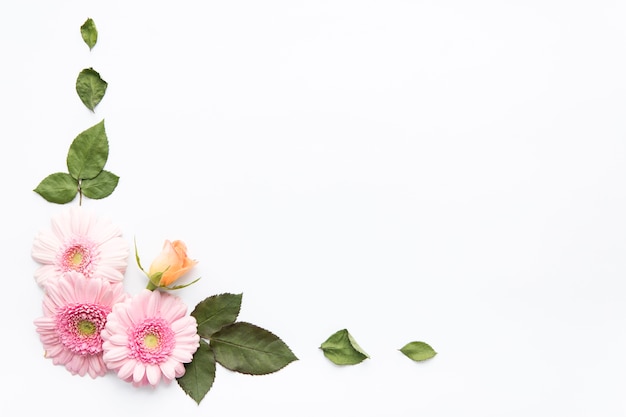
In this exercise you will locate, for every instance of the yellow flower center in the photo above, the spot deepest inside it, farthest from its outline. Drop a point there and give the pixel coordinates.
(77, 258)
(86, 327)
(151, 341)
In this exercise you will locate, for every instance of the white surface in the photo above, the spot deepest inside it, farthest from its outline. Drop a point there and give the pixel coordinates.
(445, 171)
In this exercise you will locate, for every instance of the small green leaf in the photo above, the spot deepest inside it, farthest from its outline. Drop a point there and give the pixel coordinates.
(418, 351)
(58, 188)
(90, 88)
(137, 258)
(181, 286)
(199, 373)
(342, 349)
(248, 349)
(89, 33)
(155, 279)
(88, 153)
(101, 186)
(215, 312)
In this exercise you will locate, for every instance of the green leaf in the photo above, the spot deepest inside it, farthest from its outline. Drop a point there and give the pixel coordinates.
(137, 258)
(101, 186)
(90, 88)
(199, 373)
(181, 286)
(89, 33)
(215, 312)
(418, 351)
(155, 279)
(58, 188)
(88, 153)
(342, 349)
(248, 349)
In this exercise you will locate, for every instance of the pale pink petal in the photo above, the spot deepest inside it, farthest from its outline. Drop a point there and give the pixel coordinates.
(114, 354)
(45, 273)
(96, 367)
(182, 354)
(126, 370)
(116, 328)
(110, 274)
(169, 369)
(185, 325)
(153, 373)
(118, 339)
(175, 311)
(55, 351)
(153, 304)
(139, 372)
(45, 247)
(180, 370)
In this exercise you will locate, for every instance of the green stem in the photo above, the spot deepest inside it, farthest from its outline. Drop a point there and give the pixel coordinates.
(80, 193)
(151, 286)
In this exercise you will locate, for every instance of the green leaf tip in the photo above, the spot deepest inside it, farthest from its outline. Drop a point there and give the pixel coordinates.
(418, 351)
(342, 349)
(89, 33)
(90, 88)
(199, 373)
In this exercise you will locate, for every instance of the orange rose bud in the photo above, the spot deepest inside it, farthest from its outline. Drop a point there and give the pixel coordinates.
(173, 262)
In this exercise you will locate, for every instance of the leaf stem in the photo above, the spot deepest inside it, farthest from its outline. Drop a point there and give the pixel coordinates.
(80, 192)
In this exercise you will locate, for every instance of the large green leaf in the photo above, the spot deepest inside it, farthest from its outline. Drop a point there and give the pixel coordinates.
(199, 373)
(58, 188)
(88, 153)
(215, 312)
(248, 349)
(89, 33)
(418, 351)
(90, 88)
(101, 186)
(342, 349)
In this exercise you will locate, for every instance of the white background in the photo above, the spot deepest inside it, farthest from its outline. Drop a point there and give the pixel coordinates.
(444, 171)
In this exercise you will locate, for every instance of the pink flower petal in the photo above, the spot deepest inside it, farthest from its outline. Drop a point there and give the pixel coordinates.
(153, 373)
(139, 372)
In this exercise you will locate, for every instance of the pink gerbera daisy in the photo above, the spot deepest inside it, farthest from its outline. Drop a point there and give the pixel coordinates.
(149, 338)
(75, 312)
(80, 241)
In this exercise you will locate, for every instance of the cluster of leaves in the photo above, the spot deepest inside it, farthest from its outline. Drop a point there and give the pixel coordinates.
(86, 175)
(236, 345)
(89, 151)
(341, 349)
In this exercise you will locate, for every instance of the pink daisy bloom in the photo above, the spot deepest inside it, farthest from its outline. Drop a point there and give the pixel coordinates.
(75, 312)
(149, 338)
(80, 241)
